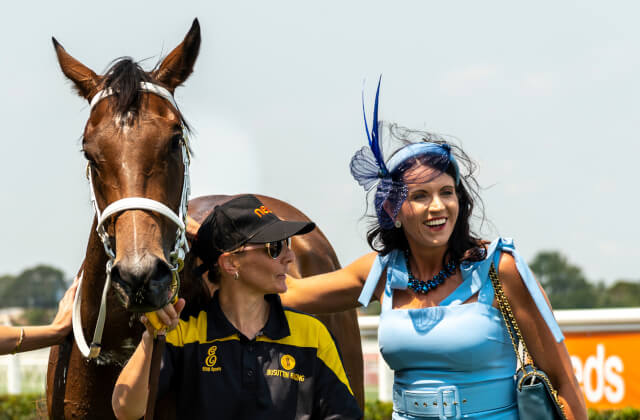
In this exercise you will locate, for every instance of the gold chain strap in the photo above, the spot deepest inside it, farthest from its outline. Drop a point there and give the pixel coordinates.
(510, 323)
(509, 319)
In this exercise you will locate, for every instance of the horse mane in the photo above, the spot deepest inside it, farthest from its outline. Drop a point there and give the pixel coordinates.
(123, 77)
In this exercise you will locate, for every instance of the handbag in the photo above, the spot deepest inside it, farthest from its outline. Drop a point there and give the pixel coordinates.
(536, 397)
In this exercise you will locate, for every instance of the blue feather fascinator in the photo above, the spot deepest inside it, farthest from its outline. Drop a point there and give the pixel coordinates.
(369, 168)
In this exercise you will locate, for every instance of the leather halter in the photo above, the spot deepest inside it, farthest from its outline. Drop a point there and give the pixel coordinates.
(180, 248)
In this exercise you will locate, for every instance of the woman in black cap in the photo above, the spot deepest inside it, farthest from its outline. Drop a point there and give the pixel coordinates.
(245, 357)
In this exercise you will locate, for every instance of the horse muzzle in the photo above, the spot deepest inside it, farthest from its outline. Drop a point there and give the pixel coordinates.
(144, 284)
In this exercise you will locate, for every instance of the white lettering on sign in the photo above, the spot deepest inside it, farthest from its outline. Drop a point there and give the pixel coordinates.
(600, 376)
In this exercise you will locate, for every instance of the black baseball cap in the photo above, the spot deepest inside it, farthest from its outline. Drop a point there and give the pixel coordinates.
(243, 219)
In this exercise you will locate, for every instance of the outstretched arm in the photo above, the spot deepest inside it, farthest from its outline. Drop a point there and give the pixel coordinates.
(329, 292)
(19, 339)
(550, 356)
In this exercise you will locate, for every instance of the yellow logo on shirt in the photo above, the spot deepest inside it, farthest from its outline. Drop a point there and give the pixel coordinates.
(211, 360)
(287, 362)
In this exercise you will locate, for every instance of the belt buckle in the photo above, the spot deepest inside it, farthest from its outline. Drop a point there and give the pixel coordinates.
(441, 402)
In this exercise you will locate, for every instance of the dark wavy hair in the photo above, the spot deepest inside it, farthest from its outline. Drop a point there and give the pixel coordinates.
(464, 245)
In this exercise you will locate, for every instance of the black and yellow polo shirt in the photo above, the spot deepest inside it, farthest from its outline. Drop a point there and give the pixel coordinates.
(291, 370)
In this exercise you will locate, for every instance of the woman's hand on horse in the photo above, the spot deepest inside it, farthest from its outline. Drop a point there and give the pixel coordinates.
(169, 315)
(62, 321)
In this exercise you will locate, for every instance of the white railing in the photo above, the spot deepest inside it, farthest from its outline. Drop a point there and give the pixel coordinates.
(575, 320)
(24, 372)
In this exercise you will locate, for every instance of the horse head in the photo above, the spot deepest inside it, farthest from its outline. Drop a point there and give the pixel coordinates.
(137, 152)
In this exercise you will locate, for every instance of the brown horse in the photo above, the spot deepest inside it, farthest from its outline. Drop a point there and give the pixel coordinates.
(135, 147)
(134, 143)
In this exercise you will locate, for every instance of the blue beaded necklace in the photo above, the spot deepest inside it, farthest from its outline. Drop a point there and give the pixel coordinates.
(424, 287)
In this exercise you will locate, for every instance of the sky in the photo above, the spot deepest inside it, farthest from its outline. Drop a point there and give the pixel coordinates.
(543, 96)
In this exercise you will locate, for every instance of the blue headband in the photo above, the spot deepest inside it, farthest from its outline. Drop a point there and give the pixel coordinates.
(423, 148)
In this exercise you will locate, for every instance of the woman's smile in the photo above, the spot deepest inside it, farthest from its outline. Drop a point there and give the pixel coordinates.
(436, 224)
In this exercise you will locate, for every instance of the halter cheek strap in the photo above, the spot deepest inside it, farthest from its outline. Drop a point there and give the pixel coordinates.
(176, 256)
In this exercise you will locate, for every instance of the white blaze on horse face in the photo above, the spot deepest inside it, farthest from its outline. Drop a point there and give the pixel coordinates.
(124, 122)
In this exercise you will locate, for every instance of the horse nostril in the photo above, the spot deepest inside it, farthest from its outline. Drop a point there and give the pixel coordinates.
(121, 285)
(159, 283)
(144, 284)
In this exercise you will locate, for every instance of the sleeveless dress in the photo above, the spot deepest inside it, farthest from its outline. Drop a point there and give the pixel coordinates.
(454, 360)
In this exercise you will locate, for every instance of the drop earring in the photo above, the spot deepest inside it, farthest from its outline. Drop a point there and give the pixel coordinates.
(397, 224)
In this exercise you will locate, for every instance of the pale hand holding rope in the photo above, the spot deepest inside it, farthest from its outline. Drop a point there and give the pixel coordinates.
(164, 319)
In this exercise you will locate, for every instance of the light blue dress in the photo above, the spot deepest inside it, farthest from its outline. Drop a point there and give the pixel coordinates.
(454, 360)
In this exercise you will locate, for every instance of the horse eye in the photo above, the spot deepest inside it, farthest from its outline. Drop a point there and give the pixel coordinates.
(176, 142)
(86, 156)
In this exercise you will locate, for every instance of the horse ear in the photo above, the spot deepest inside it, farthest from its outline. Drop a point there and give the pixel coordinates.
(178, 65)
(83, 78)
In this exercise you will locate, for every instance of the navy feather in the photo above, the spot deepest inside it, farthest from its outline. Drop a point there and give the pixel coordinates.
(374, 136)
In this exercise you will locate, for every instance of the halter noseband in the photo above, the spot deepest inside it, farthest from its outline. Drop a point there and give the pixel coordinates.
(180, 248)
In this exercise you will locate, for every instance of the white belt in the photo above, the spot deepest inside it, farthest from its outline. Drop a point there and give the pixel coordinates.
(451, 402)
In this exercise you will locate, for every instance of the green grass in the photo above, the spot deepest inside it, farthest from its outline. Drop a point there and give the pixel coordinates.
(22, 407)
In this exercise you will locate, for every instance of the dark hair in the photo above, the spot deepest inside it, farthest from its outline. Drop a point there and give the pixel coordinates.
(463, 244)
(205, 249)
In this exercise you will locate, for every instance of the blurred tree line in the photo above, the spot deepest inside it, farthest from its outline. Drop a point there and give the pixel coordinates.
(568, 288)
(36, 289)
(40, 288)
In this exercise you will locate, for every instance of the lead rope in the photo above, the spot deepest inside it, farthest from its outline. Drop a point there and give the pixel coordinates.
(154, 375)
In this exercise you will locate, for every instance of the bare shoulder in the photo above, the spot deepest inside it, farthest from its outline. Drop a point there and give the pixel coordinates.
(513, 284)
(507, 266)
(510, 279)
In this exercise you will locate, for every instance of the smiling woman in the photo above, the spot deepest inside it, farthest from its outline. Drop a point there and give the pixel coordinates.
(440, 328)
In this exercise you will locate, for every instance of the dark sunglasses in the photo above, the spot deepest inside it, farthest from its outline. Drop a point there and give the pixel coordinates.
(274, 249)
